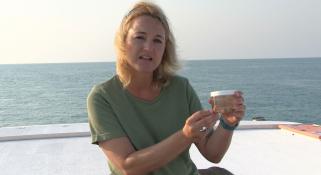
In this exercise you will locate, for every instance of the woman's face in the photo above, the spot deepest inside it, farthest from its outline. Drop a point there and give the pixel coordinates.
(145, 44)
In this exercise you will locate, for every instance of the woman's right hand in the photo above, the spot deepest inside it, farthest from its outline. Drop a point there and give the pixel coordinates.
(195, 123)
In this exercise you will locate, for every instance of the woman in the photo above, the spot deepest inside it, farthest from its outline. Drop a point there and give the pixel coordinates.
(145, 118)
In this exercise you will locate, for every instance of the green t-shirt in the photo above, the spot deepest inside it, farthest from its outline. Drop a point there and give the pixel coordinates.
(113, 112)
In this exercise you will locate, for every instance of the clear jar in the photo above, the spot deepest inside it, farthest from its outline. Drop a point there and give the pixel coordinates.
(223, 101)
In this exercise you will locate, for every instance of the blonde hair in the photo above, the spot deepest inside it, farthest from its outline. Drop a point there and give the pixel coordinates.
(169, 64)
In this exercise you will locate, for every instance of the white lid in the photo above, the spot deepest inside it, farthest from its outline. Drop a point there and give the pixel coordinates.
(223, 92)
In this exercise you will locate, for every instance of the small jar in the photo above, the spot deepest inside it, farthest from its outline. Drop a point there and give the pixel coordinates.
(223, 101)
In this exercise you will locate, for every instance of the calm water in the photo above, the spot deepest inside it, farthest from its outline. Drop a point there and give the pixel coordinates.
(278, 89)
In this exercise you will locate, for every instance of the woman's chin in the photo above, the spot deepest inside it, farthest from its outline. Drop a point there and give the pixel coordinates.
(145, 69)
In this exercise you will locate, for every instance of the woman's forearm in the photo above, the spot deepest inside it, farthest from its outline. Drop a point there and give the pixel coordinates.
(217, 144)
(156, 156)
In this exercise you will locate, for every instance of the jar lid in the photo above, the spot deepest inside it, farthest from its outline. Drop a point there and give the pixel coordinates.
(223, 92)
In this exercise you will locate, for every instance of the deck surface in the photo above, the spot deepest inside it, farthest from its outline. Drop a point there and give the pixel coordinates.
(66, 150)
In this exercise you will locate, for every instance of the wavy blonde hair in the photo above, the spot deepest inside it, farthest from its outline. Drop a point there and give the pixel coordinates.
(169, 64)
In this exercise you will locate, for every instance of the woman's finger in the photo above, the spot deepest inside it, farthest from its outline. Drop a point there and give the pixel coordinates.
(238, 93)
(199, 115)
(206, 121)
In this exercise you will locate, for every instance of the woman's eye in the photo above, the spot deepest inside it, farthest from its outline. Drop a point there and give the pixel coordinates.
(158, 41)
(139, 37)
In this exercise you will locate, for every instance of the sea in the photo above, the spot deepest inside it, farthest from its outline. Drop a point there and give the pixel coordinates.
(276, 89)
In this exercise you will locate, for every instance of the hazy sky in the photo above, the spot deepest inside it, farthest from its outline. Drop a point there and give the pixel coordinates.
(83, 30)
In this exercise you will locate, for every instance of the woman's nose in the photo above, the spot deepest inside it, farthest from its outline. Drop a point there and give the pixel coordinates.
(147, 45)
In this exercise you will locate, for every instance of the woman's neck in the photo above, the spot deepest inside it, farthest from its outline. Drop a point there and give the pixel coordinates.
(142, 81)
(143, 87)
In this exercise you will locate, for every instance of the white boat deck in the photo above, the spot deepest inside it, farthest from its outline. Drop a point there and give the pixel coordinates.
(258, 147)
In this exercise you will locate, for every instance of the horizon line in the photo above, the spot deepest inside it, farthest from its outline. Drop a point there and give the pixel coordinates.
(184, 59)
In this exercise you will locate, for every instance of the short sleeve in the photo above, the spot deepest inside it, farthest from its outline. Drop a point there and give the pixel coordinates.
(193, 99)
(103, 122)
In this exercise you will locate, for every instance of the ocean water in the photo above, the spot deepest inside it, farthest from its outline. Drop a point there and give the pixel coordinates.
(277, 89)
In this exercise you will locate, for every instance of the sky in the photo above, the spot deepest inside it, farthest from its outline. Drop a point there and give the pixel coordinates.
(52, 31)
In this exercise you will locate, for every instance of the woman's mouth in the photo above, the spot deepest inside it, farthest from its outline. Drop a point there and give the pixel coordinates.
(145, 58)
